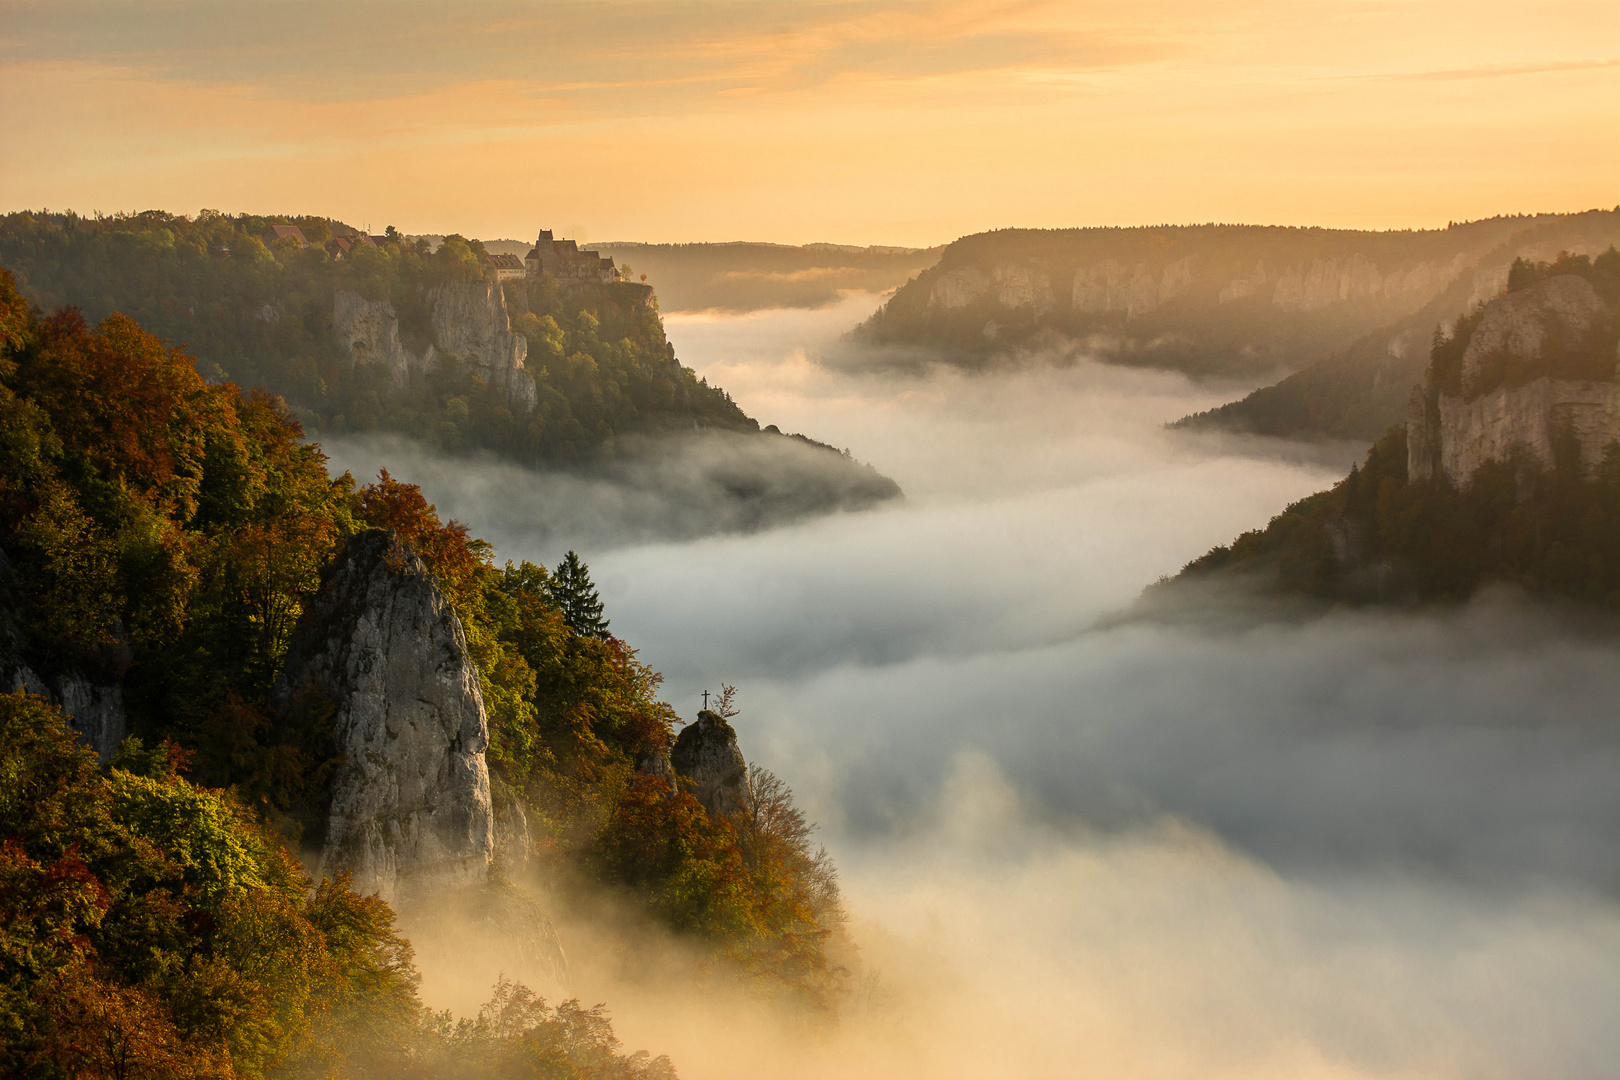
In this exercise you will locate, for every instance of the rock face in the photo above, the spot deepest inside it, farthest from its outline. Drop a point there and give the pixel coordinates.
(370, 328)
(1452, 435)
(95, 712)
(411, 810)
(1014, 286)
(470, 323)
(1108, 287)
(1524, 325)
(706, 753)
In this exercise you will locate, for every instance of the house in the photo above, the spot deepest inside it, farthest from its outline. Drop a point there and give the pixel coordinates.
(563, 260)
(285, 232)
(505, 267)
(342, 245)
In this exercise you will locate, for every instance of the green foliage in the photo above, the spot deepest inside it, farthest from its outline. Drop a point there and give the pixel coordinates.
(571, 590)
(263, 317)
(517, 1034)
(152, 930)
(1359, 391)
(167, 534)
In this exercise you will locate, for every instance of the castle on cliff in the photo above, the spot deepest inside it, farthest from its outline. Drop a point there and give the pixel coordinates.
(562, 259)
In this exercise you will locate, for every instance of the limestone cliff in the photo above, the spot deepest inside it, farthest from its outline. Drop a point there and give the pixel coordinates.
(469, 322)
(1514, 394)
(1012, 285)
(369, 329)
(1209, 298)
(411, 808)
(707, 755)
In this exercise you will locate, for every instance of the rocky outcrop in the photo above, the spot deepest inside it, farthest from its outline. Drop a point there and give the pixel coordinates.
(1494, 418)
(94, 711)
(370, 331)
(655, 763)
(1014, 285)
(1019, 286)
(513, 842)
(958, 288)
(1109, 287)
(411, 807)
(706, 754)
(1526, 325)
(471, 324)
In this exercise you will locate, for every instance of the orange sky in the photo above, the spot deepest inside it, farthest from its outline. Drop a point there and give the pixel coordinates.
(861, 121)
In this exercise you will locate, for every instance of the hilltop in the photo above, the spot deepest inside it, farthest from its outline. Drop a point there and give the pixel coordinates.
(1219, 300)
(1507, 469)
(551, 361)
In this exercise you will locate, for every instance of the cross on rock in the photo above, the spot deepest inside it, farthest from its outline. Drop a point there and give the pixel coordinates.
(705, 699)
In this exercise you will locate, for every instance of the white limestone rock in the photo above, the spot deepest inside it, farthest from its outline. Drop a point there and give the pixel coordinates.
(958, 288)
(1019, 286)
(95, 712)
(1524, 323)
(411, 809)
(370, 330)
(1451, 436)
(471, 324)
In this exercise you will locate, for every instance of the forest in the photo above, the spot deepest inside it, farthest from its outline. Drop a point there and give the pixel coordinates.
(1379, 536)
(165, 532)
(260, 316)
(1224, 300)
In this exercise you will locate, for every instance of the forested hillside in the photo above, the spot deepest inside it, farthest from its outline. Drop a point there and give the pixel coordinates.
(1229, 300)
(1551, 527)
(166, 534)
(1359, 392)
(262, 316)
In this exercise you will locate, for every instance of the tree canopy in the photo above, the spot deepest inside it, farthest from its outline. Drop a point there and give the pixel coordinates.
(165, 534)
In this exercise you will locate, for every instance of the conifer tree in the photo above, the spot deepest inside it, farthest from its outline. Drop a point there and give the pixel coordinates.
(571, 589)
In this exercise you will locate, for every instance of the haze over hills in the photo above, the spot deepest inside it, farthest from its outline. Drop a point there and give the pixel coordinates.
(1221, 300)
(744, 276)
(1506, 471)
(556, 368)
(1357, 393)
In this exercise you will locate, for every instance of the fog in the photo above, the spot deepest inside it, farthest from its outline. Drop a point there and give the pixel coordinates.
(1082, 838)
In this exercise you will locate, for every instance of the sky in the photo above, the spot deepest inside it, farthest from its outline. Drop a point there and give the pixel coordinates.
(858, 121)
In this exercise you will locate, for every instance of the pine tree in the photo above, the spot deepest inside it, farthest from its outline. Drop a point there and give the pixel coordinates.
(572, 591)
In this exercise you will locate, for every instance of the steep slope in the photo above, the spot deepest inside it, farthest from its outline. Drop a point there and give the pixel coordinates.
(411, 807)
(404, 337)
(1507, 470)
(359, 675)
(1208, 299)
(1360, 392)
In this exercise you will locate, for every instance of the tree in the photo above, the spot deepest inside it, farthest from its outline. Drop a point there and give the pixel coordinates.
(574, 594)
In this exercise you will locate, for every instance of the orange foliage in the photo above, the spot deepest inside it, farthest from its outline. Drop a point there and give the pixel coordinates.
(447, 549)
(134, 407)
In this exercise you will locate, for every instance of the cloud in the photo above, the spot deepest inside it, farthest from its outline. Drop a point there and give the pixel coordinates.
(1187, 843)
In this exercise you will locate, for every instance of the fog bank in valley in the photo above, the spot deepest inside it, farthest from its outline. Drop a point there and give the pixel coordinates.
(1352, 845)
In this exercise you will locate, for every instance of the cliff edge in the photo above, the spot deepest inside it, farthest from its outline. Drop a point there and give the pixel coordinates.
(1536, 366)
(411, 808)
